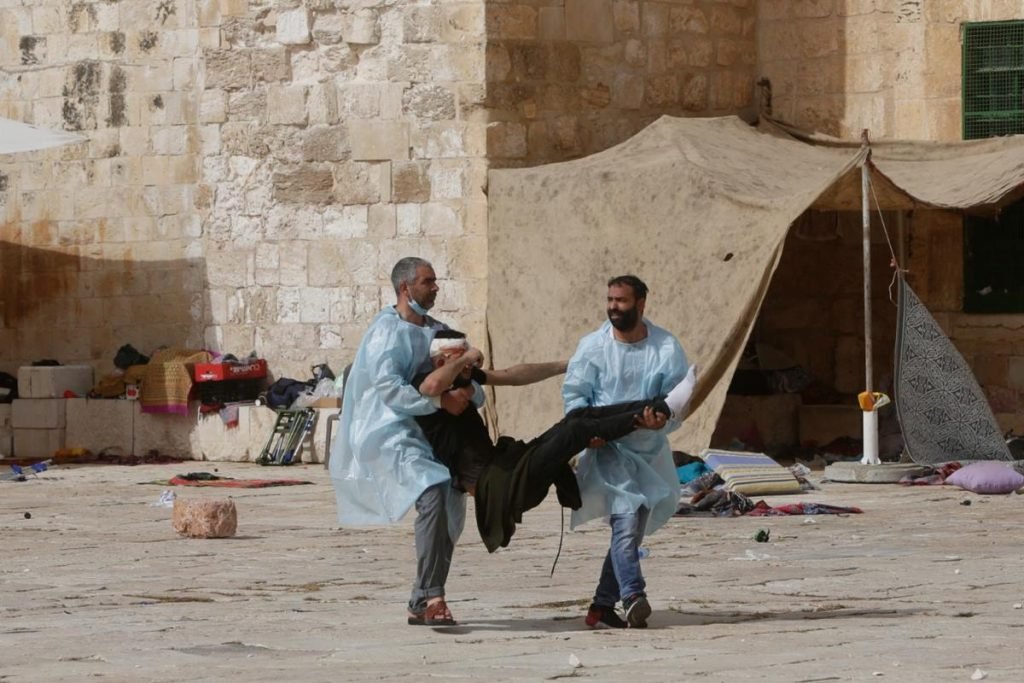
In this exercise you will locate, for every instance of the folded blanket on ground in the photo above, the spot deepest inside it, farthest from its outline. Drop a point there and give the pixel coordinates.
(752, 474)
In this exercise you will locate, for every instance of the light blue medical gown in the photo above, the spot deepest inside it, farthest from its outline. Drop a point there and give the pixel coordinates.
(380, 461)
(638, 468)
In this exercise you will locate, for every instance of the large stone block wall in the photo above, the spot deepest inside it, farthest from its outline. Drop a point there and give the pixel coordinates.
(254, 167)
(252, 172)
(100, 243)
(339, 137)
(566, 78)
(891, 66)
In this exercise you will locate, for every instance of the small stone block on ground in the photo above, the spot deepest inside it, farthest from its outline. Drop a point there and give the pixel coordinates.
(205, 518)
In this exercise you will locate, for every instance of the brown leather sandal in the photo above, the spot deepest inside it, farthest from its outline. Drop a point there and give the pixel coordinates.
(438, 614)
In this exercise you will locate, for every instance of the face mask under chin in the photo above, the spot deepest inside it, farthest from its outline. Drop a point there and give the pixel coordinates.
(417, 308)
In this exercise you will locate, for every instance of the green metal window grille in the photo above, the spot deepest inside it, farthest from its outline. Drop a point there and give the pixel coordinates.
(993, 73)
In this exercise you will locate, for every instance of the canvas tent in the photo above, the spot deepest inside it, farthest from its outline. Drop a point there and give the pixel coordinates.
(700, 209)
(17, 137)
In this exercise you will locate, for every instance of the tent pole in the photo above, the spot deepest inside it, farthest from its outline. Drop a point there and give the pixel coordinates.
(901, 238)
(870, 422)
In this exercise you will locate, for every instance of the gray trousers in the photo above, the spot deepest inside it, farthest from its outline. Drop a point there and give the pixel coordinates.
(434, 546)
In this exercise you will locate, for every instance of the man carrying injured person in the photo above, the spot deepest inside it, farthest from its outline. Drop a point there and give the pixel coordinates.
(510, 477)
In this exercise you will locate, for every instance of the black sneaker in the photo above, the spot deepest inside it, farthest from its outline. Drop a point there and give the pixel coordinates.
(637, 610)
(596, 614)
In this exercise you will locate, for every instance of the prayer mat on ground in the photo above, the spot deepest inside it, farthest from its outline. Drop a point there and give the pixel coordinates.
(943, 412)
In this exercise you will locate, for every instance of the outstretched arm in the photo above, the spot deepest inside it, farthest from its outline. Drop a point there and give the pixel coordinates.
(525, 373)
(441, 379)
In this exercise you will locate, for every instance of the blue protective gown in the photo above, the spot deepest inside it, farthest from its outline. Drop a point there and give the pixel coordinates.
(636, 470)
(380, 461)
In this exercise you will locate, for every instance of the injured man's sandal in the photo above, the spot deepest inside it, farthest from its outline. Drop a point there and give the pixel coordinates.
(436, 614)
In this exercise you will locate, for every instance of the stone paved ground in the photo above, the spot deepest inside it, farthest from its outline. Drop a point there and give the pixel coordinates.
(97, 585)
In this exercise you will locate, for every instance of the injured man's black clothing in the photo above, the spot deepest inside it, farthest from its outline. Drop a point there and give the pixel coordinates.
(510, 477)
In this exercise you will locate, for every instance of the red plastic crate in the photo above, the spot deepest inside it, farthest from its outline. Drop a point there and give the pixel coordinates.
(219, 372)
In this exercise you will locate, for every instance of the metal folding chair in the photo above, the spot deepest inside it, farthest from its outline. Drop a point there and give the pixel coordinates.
(331, 419)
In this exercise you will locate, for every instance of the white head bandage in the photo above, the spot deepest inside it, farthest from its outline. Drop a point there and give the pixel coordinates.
(439, 346)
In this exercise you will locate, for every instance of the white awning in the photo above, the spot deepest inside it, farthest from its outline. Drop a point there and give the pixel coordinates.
(16, 137)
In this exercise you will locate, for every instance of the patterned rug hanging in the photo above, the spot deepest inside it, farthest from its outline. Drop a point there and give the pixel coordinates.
(943, 412)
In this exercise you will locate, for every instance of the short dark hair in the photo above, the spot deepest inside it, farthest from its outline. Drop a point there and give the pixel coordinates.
(632, 281)
(449, 334)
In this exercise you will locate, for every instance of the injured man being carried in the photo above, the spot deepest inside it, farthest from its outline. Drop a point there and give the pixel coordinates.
(509, 477)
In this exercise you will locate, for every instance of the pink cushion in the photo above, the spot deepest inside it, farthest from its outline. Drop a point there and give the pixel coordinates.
(987, 477)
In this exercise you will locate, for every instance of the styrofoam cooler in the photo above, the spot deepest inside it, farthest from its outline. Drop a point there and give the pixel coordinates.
(52, 381)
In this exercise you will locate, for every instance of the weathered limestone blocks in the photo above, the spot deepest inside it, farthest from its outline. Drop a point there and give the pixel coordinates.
(205, 518)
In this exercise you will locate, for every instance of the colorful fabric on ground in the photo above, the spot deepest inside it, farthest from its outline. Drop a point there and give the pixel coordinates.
(691, 471)
(943, 412)
(722, 503)
(715, 503)
(936, 477)
(762, 509)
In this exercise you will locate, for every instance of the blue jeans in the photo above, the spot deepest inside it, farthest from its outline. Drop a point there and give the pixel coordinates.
(621, 576)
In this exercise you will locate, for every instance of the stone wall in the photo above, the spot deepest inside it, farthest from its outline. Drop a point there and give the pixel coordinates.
(99, 242)
(255, 167)
(253, 170)
(341, 137)
(566, 78)
(891, 66)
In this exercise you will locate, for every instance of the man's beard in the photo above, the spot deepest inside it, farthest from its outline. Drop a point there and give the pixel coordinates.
(626, 321)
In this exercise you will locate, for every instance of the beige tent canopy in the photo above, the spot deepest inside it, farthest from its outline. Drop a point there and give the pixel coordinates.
(700, 209)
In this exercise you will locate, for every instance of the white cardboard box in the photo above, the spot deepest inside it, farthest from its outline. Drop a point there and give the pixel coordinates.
(53, 381)
(38, 413)
(37, 443)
